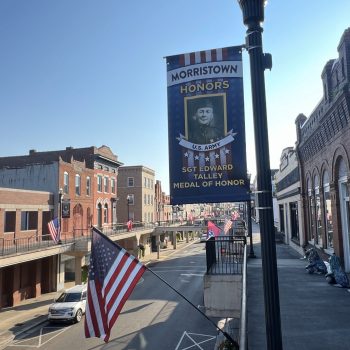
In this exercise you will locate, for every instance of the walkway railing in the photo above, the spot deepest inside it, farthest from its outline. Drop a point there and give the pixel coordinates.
(37, 242)
(25, 244)
(225, 255)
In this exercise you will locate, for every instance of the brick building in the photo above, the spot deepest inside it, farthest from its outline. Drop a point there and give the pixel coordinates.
(81, 184)
(323, 149)
(23, 221)
(136, 194)
(85, 179)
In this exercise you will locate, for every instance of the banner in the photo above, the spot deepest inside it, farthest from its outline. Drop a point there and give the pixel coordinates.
(206, 127)
(65, 208)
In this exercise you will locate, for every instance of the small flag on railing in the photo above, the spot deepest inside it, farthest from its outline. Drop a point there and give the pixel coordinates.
(129, 225)
(235, 215)
(113, 274)
(55, 229)
(213, 230)
(228, 226)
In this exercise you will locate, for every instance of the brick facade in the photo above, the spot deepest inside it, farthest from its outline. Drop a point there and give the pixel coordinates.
(323, 149)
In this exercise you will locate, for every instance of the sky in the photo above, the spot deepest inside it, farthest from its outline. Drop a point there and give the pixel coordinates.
(86, 73)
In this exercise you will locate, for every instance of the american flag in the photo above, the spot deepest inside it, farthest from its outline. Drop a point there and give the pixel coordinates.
(113, 274)
(228, 225)
(54, 229)
(213, 230)
(235, 215)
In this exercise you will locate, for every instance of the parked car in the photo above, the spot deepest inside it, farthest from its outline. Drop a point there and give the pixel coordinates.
(203, 237)
(70, 305)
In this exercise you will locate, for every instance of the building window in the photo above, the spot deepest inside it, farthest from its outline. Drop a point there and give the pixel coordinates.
(310, 215)
(294, 220)
(318, 218)
(105, 184)
(77, 185)
(105, 214)
(88, 186)
(65, 183)
(327, 206)
(145, 199)
(130, 182)
(99, 215)
(29, 220)
(145, 182)
(10, 221)
(281, 210)
(88, 217)
(113, 187)
(99, 183)
(130, 199)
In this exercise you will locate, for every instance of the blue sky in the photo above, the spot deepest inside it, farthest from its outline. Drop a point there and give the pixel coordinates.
(89, 73)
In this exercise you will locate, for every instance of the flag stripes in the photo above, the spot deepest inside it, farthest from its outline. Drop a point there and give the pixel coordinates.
(113, 275)
(54, 229)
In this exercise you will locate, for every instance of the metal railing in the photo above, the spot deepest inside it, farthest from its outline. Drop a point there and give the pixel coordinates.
(243, 331)
(25, 244)
(37, 242)
(225, 255)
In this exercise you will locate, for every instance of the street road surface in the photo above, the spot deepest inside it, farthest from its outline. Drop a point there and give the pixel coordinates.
(154, 317)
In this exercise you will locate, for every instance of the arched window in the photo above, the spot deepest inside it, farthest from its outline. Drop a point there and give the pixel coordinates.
(105, 214)
(318, 218)
(88, 218)
(99, 215)
(310, 234)
(327, 208)
(77, 185)
(65, 183)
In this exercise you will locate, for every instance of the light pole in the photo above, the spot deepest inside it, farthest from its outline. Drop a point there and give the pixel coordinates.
(253, 16)
(249, 221)
(60, 197)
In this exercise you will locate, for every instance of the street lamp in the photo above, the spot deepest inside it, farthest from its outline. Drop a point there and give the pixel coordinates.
(60, 197)
(129, 201)
(253, 16)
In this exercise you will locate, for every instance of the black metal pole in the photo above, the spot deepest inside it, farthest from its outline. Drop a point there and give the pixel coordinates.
(250, 233)
(60, 195)
(253, 15)
(128, 201)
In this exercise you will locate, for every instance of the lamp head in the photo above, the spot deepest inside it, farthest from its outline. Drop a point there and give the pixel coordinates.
(253, 10)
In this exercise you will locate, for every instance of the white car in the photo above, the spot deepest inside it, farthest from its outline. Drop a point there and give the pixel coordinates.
(70, 305)
(203, 237)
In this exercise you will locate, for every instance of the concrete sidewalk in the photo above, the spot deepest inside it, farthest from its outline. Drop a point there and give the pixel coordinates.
(314, 314)
(16, 320)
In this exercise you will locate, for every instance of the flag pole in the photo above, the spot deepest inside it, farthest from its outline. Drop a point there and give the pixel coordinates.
(226, 335)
